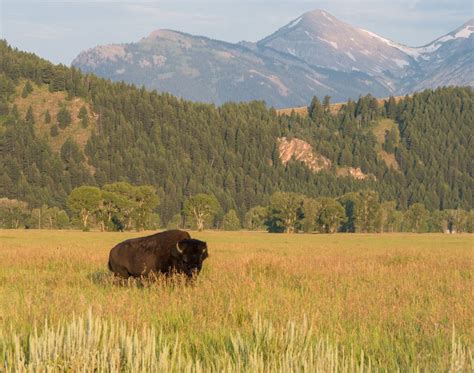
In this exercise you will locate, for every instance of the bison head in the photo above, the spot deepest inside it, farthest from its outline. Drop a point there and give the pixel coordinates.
(188, 256)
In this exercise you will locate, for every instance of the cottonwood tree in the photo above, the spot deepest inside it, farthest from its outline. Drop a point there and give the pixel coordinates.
(367, 211)
(362, 210)
(13, 213)
(311, 209)
(49, 218)
(231, 221)
(109, 208)
(285, 212)
(331, 215)
(201, 208)
(390, 219)
(130, 205)
(145, 200)
(84, 201)
(416, 217)
(255, 218)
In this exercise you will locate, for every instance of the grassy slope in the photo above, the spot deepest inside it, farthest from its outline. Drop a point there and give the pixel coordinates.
(379, 132)
(395, 296)
(41, 100)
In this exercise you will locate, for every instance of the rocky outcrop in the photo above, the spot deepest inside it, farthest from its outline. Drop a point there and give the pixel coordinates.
(356, 173)
(302, 151)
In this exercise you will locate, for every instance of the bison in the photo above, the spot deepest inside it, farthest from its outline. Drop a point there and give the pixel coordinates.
(165, 252)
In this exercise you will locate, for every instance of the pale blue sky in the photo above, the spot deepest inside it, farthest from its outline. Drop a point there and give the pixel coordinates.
(59, 30)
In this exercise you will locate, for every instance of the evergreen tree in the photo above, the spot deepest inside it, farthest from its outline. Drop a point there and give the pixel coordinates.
(64, 118)
(83, 116)
(54, 131)
(30, 118)
(327, 103)
(27, 89)
(47, 117)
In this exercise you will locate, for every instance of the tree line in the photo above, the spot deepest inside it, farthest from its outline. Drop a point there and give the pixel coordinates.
(183, 149)
(121, 206)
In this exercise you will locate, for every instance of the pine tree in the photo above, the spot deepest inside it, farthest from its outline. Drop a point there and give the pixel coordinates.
(83, 116)
(63, 118)
(47, 117)
(27, 89)
(54, 131)
(30, 118)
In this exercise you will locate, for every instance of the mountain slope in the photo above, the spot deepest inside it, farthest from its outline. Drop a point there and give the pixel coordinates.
(206, 70)
(314, 55)
(448, 60)
(320, 39)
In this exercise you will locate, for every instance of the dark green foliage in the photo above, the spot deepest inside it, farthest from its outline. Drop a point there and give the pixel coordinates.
(184, 148)
(27, 89)
(30, 118)
(391, 140)
(201, 209)
(84, 117)
(285, 212)
(47, 117)
(255, 218)
(64, 117)
(54, 131)
(231, 221)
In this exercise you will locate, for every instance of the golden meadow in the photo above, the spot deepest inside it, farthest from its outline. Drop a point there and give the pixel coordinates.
(264, 302)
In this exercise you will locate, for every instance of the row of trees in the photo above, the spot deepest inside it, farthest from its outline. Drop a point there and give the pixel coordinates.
(121, 206)
(117, 206)
(353, 212)
(16, 214)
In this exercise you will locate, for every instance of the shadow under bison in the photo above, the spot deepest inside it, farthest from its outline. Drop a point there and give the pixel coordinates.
(168, 252)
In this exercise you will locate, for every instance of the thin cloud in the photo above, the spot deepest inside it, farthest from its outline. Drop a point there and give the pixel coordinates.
(156, 12)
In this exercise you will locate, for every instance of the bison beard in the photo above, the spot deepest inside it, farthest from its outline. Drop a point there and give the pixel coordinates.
(165, 252)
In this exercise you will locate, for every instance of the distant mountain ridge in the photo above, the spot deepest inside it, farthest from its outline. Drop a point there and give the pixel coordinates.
(316, 54)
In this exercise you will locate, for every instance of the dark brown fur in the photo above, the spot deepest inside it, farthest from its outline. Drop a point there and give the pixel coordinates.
(158, 253)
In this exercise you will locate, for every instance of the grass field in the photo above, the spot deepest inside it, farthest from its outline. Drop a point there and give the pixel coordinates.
(262, 303)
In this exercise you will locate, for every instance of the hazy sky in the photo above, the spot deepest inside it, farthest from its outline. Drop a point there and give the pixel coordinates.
(59, 30)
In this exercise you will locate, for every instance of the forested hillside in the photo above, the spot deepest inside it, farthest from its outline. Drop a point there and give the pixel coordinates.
(117, 132)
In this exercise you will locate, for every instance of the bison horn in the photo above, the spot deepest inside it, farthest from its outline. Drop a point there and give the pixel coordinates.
(177, 248)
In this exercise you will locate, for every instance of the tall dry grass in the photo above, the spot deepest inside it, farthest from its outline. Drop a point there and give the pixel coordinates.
(388, 301)
(91, 344)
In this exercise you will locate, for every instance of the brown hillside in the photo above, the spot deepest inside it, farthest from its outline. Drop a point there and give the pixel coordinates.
(41, 100)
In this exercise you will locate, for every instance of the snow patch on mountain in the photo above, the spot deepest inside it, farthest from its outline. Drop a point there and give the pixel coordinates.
(327, 16)
(465, 32)
(400, 63)
(332, 43)
(350, 55)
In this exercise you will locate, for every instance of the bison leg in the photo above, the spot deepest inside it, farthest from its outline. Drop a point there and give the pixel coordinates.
(120, 271)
